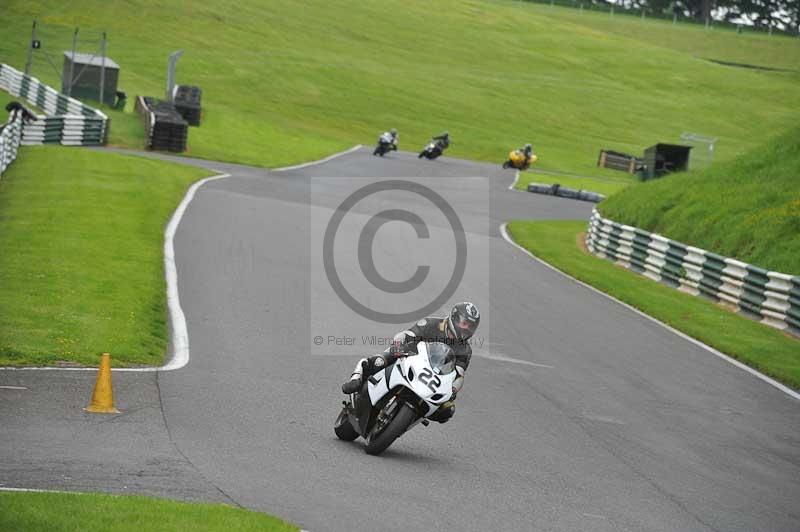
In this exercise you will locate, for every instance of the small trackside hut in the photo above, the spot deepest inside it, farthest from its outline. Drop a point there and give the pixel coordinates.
(85, 76)
(663, 159)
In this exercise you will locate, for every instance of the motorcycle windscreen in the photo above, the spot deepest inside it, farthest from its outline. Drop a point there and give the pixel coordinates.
(441, 357)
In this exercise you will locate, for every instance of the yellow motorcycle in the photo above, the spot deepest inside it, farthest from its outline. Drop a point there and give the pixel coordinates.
(517, 159)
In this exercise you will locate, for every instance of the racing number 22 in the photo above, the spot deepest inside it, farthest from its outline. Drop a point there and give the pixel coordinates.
(425, 376)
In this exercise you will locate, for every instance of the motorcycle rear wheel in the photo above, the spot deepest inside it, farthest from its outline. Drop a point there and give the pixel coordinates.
(404, 416)
(343, 429)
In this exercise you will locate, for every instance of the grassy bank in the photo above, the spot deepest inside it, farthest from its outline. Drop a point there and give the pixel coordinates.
(71, 512)
(287, 81)
(81, 267)
(748, 208)
(759, 346)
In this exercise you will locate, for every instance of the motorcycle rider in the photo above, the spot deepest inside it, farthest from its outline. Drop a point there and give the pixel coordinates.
(454, 330)
(527, 151)
(442, 140)
(390, 137)
(521, 158)
(389, 140)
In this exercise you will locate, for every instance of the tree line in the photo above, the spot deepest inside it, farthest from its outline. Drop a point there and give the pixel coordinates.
(781, 14)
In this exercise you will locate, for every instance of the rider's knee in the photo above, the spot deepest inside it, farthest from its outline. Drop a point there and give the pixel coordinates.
(444, 413)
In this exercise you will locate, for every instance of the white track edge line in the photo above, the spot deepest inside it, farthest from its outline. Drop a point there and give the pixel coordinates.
(33, 490)
(313, 163)
(513, 185)
(785, 389)
(180, 335)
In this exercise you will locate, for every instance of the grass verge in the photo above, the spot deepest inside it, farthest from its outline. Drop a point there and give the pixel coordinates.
(90, 512)
(605, 186)
(81, 267)
(768, 350)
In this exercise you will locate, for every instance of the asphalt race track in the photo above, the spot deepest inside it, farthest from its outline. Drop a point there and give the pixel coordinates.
(577, 414)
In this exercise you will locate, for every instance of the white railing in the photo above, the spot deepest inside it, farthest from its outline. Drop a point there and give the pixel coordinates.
(10, 138)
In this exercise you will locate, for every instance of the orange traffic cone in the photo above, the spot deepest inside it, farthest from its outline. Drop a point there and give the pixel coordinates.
(103, 396)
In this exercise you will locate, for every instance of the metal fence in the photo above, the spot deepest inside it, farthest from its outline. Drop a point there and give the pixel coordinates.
(771, 297)
(702, 149)
(68, 121)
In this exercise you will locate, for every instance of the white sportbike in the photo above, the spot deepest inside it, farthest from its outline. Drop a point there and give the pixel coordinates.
(398, 397)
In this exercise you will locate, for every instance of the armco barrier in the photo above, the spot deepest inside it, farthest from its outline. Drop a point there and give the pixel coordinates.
(10, 138)
(771, 297)
(68, 121)
(564, 192)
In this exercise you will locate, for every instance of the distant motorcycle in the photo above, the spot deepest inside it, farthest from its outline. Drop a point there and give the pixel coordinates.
(385, 145)
(517, 159)
(433, 150)
(399, 397)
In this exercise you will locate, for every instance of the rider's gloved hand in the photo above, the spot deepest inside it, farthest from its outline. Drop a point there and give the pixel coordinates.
(396, 350)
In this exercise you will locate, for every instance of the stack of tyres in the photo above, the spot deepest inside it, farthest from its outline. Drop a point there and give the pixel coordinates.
(165, 127)
(187, 101)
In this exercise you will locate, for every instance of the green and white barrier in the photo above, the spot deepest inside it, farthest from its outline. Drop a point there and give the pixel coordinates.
(771, 297)
(67, 120)
(10, 138)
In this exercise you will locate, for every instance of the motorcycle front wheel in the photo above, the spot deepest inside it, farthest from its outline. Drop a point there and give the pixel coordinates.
(506, 165)
(377, 443)
(421, 155)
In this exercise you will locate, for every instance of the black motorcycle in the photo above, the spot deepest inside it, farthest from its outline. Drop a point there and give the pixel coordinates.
(384, 146)
(433, 150)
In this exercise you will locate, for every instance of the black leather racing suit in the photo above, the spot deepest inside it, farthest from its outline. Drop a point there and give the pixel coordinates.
(444, 142)
(527, 152)
(433, 330)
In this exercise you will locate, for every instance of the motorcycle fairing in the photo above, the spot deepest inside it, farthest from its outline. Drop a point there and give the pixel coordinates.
(379, 384)
(406, 372)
